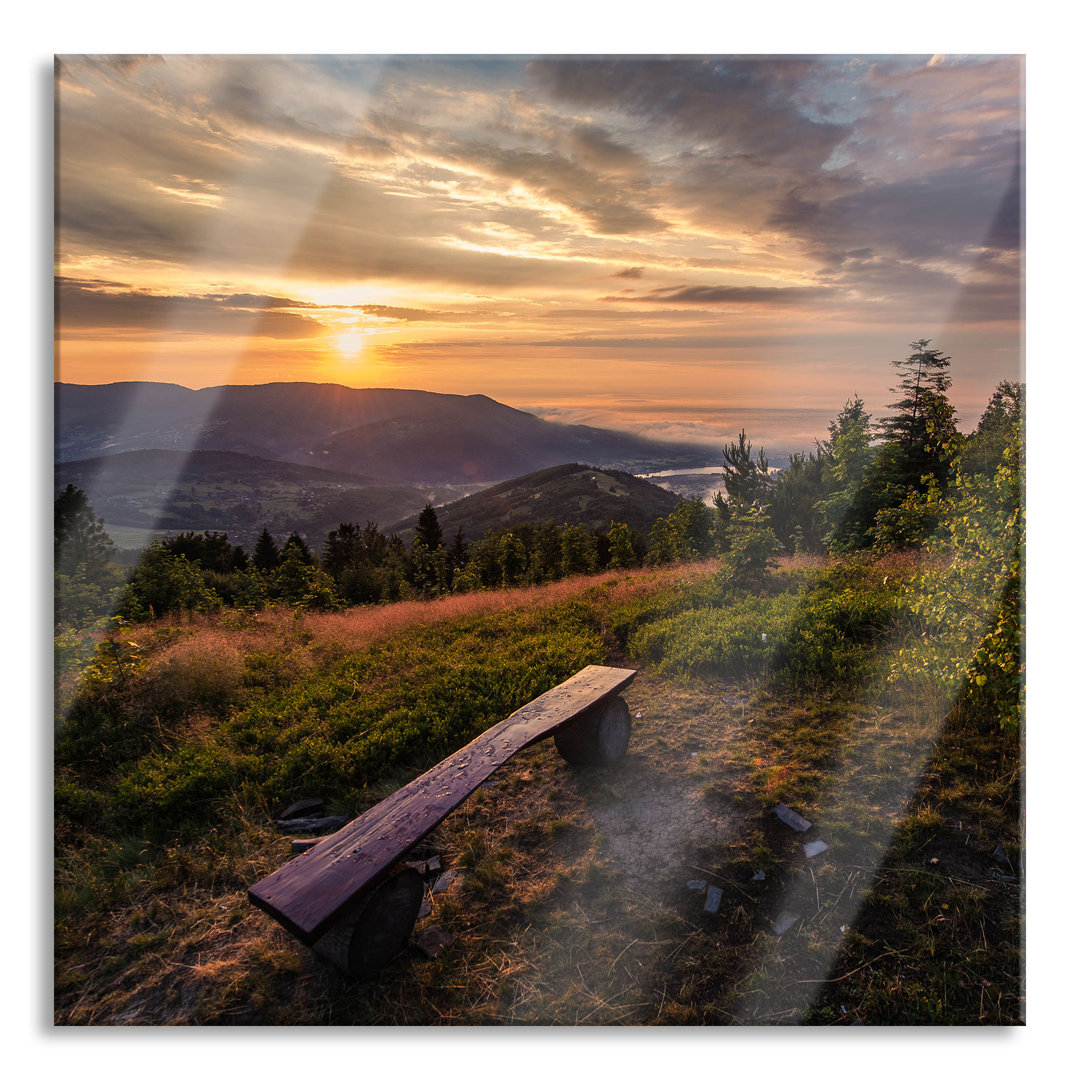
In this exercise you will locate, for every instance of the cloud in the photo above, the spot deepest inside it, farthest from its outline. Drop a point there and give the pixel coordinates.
(631, 272)
(739, 105)
(113, 306)
(726, 294)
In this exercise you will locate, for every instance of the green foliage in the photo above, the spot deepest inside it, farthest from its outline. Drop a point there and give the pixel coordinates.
(849, 456)
(301, 583)
(79, 537)
(908, 523)
(988, 445)
(81, 599)
(918, 446)
(428, 530)
(752, 548)
(266, 555)
(924, 422)
(821, 630)
(688, 532)
(425, 693)
(735, 639)
(846, 614)
(746, 477)
(577, 554)
(210, 550)
(972, 600)
(164, 583)
(621, 554)
(796, 494)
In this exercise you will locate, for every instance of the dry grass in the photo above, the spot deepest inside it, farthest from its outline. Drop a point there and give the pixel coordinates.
(571, 904)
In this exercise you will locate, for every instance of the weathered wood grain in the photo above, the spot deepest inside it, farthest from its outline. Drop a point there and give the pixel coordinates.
(313, 891)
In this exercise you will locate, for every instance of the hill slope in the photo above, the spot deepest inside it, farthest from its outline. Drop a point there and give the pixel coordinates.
(572, 494)
(409, 435)
(234, 493)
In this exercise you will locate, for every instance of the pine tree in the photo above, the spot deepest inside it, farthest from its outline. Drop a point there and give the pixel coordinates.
(621, 554)
(924, 422)
(79, 536)
(428, 529)
(848, 456)
(746, 478)
(295, 542)
(266, 555)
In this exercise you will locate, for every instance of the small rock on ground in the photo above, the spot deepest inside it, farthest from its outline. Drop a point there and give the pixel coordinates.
(432, 940)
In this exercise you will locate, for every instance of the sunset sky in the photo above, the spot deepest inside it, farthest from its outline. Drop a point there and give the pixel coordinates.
(665, 245)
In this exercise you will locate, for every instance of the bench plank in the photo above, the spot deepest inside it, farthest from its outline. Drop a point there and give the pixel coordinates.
(313, 891)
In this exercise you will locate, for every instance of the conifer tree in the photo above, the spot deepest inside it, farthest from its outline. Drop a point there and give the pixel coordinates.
(266, 555)
(924, 422)
(79, 536)
(296, 542)
(428, 529)
(746, 477)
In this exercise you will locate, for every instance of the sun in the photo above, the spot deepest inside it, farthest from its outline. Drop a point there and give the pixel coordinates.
(350, 343)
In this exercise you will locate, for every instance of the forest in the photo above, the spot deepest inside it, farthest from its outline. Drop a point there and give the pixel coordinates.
(845, 636)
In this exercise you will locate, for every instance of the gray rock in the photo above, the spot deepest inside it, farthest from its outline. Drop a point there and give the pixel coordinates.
(696, 886)
(303, 808)
(712, 900)
(444, 882)
(815, 847)
(432, 940)
(789, 817)
(312, 824)
(785, 921)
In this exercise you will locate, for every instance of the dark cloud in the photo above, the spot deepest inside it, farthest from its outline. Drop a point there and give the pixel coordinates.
(608, 207)
(630, 272)
(727, 294)
(741, 105)
(96, 305)
(597, 148)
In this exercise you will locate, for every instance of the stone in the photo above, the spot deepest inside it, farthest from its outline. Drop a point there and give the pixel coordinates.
(444, 882)
(789, 817)
(696, 886)
(759, 875)
(434, 864)
(432, 940)
(712, 900)
(785, 921)
(303, 808)
(815, 847)
(312, 824)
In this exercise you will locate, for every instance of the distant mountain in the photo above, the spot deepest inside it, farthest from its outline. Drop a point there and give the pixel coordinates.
(568, 494)
(235, 493)
(398, 435)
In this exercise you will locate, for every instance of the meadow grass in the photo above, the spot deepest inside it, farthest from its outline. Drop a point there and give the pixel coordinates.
(569, 904)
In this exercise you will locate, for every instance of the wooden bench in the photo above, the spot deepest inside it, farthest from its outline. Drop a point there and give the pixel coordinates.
(352, 900)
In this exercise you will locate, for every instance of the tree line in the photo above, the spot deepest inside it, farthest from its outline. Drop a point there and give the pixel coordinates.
(879, 486)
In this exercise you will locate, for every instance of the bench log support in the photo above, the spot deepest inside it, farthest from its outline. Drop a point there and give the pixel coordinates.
(348, 898)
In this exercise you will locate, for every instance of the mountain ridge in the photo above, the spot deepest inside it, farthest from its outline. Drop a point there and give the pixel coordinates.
(568, 494)
(412, 436)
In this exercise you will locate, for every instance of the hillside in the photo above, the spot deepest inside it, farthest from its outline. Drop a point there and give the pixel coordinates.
(397, 435)
(570, 900)
(568, 494)
(234, 493)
